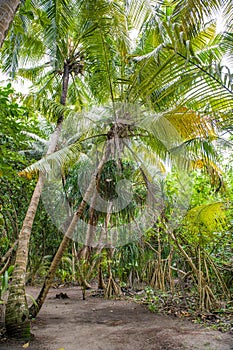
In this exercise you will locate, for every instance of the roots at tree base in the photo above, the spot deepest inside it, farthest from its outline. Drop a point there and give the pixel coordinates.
(112, 288)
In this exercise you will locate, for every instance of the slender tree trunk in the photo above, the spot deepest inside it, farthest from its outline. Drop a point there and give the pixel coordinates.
(8, 9)
(35, 308)
(101, 283)
(85, 253)
(17, 314)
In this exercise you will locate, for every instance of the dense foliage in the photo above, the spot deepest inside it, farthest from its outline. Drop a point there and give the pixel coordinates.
(155, 109)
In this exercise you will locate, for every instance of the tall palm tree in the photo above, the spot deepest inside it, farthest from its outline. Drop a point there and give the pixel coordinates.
(63, 65)
(63, 40)
(155, 82)
(105, 50)
(8, 9)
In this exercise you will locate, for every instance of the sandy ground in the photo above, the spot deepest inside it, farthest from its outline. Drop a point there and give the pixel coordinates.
(99, 324)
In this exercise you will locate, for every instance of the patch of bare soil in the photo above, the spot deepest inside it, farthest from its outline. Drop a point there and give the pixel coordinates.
(98, 324)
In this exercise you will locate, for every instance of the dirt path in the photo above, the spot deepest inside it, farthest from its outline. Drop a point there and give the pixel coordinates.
(99, 324)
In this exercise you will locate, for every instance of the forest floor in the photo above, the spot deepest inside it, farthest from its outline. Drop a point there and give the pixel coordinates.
(99, 324)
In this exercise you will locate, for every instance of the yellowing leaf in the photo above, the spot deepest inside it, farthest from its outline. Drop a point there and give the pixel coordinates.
(190, 124)
(26, 345)
(198, 164)
(25, 174)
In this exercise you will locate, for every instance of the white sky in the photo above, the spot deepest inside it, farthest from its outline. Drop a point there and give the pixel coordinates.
(20, 85)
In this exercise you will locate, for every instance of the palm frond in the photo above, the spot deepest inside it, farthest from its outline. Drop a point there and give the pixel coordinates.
(181, 81)
(190, 124)
(195, 13)
(105, 43)
(55, 33)
(36, 137)
(34, 73)
(140, 11)
(227, 15)
(18, 39)
(54, 162)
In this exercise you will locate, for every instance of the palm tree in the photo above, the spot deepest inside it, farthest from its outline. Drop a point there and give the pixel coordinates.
(63, 46)
(105, 49)
(194, 128)
(162, 79)
(8, 9)
(63, 64)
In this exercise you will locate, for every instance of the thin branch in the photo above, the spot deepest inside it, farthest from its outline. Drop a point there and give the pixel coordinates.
(5, 266)
(8, 253)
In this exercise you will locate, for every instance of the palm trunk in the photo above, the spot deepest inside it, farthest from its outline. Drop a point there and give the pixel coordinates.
(8, 9)
(85, 253)
(17, 314)
(35, 308)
